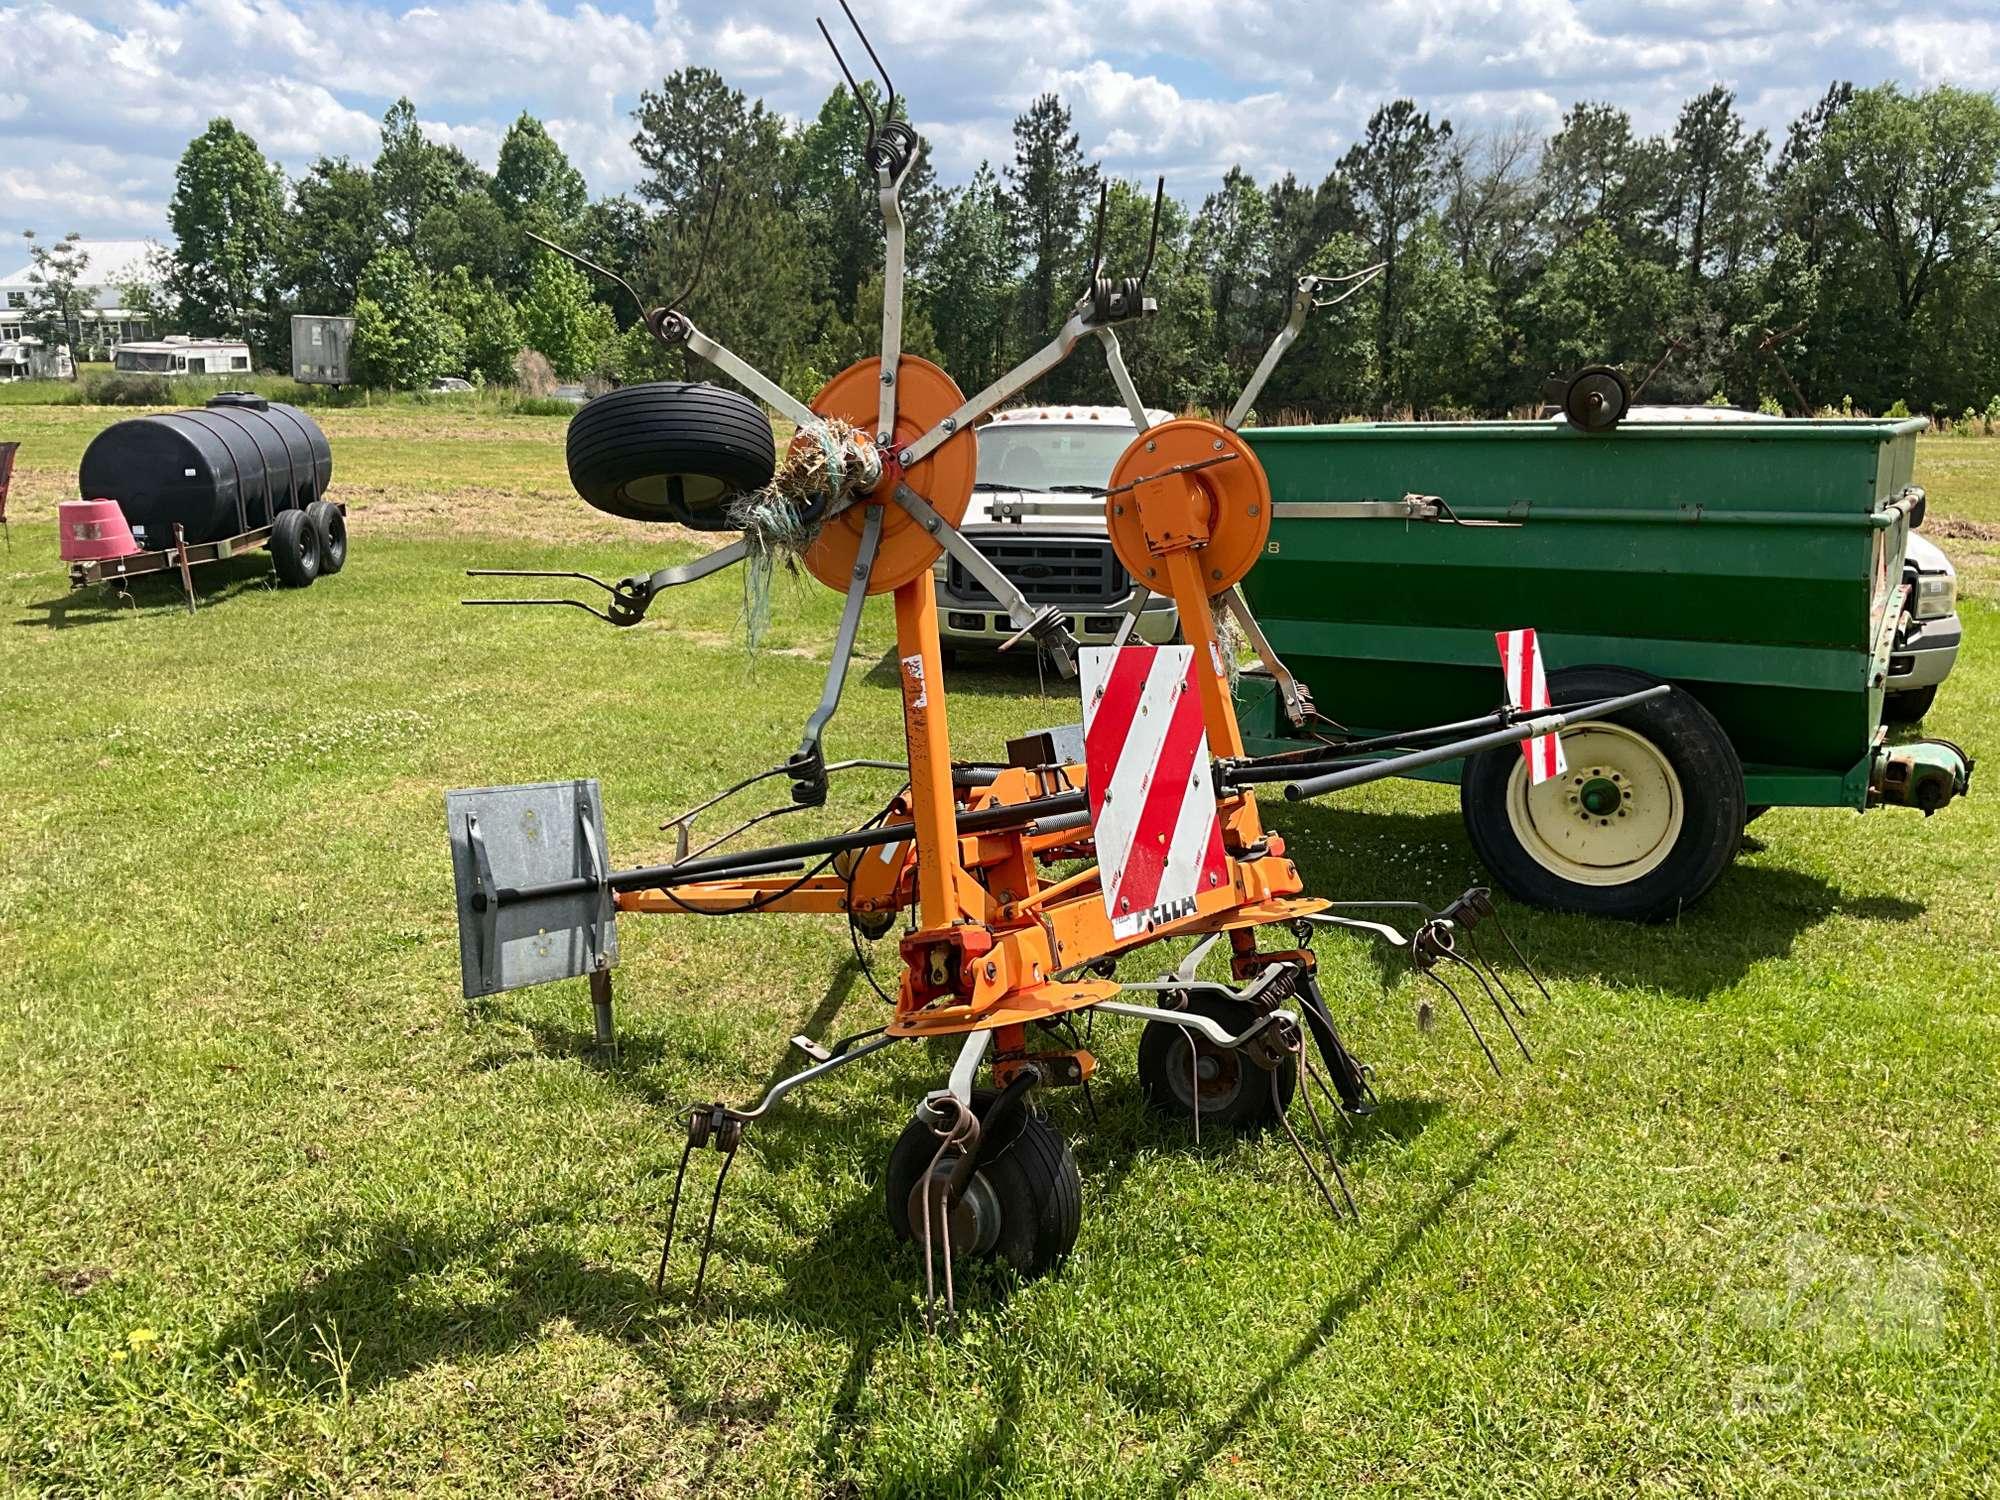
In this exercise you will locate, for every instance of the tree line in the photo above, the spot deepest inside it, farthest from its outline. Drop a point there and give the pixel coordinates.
(1855, 262)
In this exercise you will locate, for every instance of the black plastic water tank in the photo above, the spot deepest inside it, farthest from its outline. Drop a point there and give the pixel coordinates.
(225, 468)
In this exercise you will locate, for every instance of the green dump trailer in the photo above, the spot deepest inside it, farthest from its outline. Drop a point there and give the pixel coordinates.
(1754, 565)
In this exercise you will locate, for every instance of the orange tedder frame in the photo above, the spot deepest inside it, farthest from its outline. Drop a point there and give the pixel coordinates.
(999, 944)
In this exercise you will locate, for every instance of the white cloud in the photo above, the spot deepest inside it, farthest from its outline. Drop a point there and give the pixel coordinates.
(91, 132)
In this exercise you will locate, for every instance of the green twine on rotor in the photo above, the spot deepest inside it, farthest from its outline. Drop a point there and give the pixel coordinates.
(813, 478)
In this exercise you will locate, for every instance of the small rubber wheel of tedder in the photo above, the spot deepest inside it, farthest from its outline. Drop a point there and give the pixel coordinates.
(332, 528)
(1022, 1205)
(670, 450)
(295, 550)
(1648, 816)
(1235, 1092)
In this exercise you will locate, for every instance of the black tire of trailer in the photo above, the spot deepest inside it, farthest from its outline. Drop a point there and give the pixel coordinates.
(295, 549)
(1706, 775)
(332, 528)
(671, 451)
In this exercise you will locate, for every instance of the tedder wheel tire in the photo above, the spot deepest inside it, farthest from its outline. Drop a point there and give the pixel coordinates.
(1235, 1092)
(295, 551)
(1024, 1201)
(670, 451)
(332, 528)
(1910, 707)
(1648, 816)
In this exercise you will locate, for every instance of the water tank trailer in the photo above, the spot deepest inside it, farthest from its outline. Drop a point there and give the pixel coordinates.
(174, 490)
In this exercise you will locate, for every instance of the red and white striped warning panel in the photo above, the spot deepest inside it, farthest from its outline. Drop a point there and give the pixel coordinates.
(1528, 688)
(1145, 754)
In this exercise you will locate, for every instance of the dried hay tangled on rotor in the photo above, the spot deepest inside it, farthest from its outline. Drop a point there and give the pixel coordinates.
(821, 470)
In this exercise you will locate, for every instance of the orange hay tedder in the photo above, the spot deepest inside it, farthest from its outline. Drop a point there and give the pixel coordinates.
(1151, 808)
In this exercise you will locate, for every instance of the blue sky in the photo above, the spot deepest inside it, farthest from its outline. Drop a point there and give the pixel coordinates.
(103, 94)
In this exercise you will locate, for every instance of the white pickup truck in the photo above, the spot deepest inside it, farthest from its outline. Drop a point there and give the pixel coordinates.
(1037, 512)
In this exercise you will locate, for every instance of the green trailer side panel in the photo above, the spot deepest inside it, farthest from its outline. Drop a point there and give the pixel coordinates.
(1752, 564)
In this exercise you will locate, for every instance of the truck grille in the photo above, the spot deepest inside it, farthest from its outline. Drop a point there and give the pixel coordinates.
(1046, 570)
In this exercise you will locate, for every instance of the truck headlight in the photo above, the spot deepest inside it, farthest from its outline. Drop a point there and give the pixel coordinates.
(1937, 596)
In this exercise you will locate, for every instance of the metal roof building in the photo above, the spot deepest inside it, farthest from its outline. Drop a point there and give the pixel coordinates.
(108, 265)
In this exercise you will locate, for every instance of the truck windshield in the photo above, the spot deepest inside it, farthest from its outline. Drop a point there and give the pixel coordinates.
(1035, 457)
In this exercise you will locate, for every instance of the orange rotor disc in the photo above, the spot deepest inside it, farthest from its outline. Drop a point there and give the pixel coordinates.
(926, 397)
(1231, 499)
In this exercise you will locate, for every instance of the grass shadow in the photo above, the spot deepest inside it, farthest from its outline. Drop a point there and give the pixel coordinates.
(151, 595)
(1754, 913)
(1338, 1310)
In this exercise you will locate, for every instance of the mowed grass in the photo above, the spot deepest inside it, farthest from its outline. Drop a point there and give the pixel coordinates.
(287, 1215)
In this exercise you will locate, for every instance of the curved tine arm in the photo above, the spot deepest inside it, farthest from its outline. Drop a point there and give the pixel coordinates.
(678, 328)
(1128, 392)
(1302, 306)
(1153, 235)
(1354, 281)
(1295, 695)
(819, 1070)
(1381, 930)
(1097, 237)
(1046, 625)
(1008, 386)
(843, 643)
(635, 595)
(847, 73)
(591, 265)
(590, 609)
(1189, 1021)
(701, 255)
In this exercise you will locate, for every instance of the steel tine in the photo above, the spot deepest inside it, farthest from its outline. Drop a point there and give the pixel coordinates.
(1326, 1145)
(1492, 1061)
(853, 87)
(1520, 957)
(1194, 1083)
(591, 265)
(1278, 1105)
(708, 1238)
(888, 109)
(1493, 972)
(944, 1227)
(1097, 240)
(673, 1212)
(1501, 1010)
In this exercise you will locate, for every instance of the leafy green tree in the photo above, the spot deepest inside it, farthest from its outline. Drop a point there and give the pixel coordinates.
(1051, 193)
(143, 290)
(413, 175)
(756, 294)
(469, 231)
(227, 217)
(1594, 304)
(1713, 200)
(492, 332)
(404, 338)
(57, 296)
(1595, 171)
(1231, 242)
(1450, 339)
(971, 289)
(559, 319)
(533, 181)
(1395, 171)
(335, 228)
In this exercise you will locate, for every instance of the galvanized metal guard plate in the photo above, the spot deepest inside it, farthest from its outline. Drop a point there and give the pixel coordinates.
(514, 836)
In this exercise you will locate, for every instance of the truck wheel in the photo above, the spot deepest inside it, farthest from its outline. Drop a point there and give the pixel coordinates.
(332, 528)
(670, 451)
(1910, 707)
(295, 552)
(1648, 816)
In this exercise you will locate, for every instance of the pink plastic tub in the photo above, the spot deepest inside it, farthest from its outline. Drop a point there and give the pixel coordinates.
(94, 531)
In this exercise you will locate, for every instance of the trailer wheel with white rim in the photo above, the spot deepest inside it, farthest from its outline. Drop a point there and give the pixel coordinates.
(1648, 816)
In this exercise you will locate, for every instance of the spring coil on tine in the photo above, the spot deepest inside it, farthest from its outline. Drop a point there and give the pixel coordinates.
(963, 1132)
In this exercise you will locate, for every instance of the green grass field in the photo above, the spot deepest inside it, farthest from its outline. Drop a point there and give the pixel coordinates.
(287, 1215)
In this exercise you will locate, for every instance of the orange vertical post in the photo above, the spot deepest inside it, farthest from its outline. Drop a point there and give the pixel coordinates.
(933, 808)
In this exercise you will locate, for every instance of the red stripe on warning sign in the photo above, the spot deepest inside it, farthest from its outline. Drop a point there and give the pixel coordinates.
(1153, 838)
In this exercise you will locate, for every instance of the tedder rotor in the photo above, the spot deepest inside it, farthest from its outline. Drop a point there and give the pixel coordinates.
(1150, 805)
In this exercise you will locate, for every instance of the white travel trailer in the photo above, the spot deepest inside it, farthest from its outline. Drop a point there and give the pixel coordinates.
(183, 356)
(25, 357)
